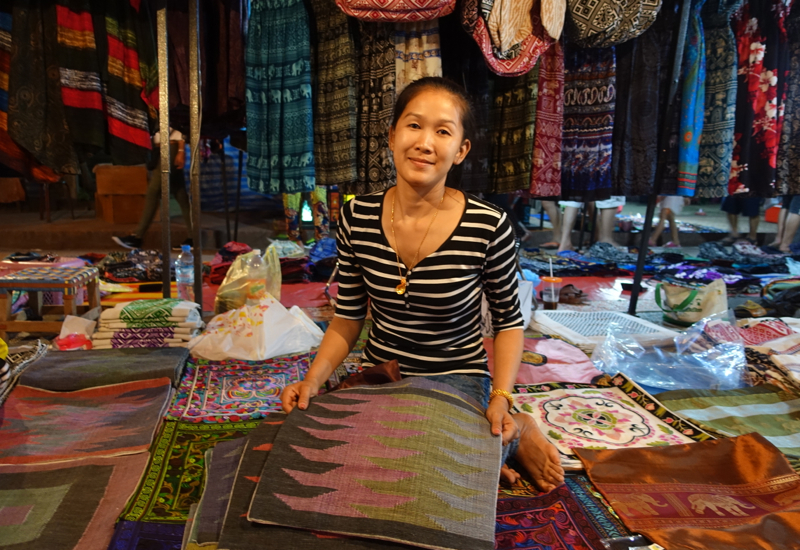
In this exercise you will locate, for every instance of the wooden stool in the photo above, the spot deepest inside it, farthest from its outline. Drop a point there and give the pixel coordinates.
(35, 280)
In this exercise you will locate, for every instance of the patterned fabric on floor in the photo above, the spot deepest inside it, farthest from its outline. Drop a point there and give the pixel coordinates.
(77, 370)
(19, 358)
(534, 521)
(766, 409)
(140, 535)
(605, 520)
(234, 390)
(761, 369)
(582, 415)
(175, 475)
(440, 495)
(727, 494)
(114, 420)
(548, 359)
(68, 505)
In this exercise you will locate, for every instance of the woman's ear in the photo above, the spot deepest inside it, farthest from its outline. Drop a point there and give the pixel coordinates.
(462, 151)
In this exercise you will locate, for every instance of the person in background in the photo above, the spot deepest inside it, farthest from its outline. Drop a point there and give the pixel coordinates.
(177, 186)
(736, 205)
(607, 220)
(790, 218)
(671, 206)
(554, 213)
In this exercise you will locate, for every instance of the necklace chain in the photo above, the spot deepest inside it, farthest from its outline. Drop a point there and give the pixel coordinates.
(401, 288)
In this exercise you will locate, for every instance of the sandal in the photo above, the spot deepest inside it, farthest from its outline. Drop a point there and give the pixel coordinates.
(549, 245)
(750, 309)
(571, 295)
(727, 241)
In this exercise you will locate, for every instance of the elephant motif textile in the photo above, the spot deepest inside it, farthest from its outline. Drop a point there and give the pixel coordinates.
(725, 494)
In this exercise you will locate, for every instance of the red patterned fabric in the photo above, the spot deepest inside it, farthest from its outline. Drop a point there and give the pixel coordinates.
(546, 173)
(403, 11)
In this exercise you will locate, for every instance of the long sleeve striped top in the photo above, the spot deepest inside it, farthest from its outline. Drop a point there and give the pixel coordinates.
(434, 328)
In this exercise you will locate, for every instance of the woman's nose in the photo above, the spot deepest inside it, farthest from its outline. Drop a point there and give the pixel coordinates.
(424, 140)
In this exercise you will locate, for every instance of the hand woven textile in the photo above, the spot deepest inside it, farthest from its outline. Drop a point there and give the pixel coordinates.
(114, 420)
(412, 462)
(175, 476)
(152, 310)
(727, 494)
(581, 415)
(767, 410)
(140, 535)
(77, 370)
(68, 505)
(547, 359)
(234, 390)
(19, 358)
(604, 519)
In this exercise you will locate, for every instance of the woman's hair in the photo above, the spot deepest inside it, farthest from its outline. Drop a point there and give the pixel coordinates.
(464, 106)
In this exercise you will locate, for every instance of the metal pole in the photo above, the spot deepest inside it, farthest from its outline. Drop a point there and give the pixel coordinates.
(164, 164)
(238, 197)
(195, 101)
(225, 192)
(663, 146)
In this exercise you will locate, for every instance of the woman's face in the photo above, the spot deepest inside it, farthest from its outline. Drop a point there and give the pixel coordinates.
(428, 139)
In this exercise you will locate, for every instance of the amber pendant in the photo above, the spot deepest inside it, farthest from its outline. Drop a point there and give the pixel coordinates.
(401, 288)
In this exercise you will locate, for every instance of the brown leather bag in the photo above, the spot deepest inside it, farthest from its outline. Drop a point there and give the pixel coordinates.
(373, 376)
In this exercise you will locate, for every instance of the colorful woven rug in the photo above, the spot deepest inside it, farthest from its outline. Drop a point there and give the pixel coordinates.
(726, 494)
(140, 535)
(387, 479)
(40, 426)
(77, 370)
(69, 505)
(604, 519)
(175, 476)
(235, 390)
(594, 417)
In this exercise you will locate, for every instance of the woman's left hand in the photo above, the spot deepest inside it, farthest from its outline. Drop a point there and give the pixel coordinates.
(501, 420)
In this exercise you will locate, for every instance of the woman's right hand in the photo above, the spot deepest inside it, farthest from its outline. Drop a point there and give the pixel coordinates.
(298, 395)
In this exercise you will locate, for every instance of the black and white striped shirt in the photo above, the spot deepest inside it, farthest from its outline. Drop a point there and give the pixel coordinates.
(434, 328)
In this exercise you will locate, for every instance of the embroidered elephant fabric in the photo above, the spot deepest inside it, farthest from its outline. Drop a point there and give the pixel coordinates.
(727, 494)
(581, 415)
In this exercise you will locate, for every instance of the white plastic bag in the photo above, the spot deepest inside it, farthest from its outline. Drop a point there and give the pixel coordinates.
(256, 333)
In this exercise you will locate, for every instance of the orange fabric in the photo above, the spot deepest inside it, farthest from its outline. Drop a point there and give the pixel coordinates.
(726, 494)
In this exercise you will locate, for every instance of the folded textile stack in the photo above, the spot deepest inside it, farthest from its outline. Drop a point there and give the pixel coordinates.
(166, 323)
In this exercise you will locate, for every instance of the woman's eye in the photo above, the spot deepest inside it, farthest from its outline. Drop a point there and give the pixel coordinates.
(413, 125)
(444, 132)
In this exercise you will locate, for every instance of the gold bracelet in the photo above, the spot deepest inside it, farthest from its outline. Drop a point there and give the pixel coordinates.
(505, 394)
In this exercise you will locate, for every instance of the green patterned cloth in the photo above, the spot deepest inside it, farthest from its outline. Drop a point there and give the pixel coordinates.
(175, 475)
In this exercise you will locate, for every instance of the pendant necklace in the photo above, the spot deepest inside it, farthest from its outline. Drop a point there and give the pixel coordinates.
(401, 288)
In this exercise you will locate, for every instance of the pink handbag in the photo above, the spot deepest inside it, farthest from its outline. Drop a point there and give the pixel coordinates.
(401, 11)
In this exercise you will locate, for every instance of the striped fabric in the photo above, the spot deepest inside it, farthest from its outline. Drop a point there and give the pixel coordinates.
(434, 327)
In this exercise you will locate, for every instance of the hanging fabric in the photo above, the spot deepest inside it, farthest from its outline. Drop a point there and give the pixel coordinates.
(521, 57)
(292, 207)
(716, 147)
(788, 172)
(376, 94)
(417, 52)
(759, 31)
(463, 62)
(512, 119)
(546, 170)
(643, 73)
(605, 23)
(553, 13)
(589, 95)
(36, 119)
(406, 11)
(692, 107)
(335, 97)
(280, 133)
(11, 154)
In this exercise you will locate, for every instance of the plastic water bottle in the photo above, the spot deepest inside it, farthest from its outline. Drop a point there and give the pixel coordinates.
(257, 278)
(184, 273)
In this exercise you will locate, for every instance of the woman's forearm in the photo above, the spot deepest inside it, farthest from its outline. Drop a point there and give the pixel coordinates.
(339, 340)
(508, 346)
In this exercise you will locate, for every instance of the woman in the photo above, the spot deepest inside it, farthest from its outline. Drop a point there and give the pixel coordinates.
(421, 255)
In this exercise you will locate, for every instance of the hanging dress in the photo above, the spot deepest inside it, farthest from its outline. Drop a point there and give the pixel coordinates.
(757, 27)
(788, 172)
(417, 52)
(546, 170)
(335, 97)
(512, 121)
(692, 107)
(589, 95)
(280, 132)
(716, 147)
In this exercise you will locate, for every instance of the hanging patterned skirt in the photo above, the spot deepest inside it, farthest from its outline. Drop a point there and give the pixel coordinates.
(589, 95)
(546, 170)
(417, 52)
(716, 147)
(788, 174)
(280, 132)
(512, 121)
(336, 100)
(376, 93)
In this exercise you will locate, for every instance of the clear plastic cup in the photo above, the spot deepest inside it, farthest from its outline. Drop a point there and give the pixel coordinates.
(551, 288)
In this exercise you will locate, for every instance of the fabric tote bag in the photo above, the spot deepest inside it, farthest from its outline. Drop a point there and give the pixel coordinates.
(685, 305)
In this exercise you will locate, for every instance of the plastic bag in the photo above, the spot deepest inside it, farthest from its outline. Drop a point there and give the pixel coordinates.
(249, 279)
(273, 262)
(288, 249)
(696, 363)
(257, 332)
